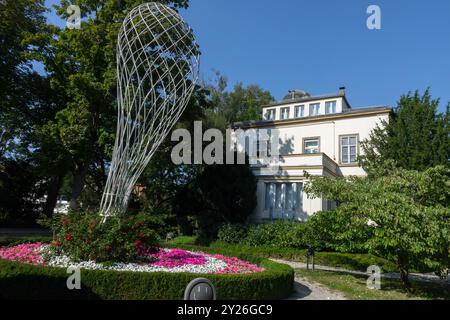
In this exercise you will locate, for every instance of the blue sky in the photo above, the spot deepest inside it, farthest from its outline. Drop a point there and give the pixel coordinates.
(320, 45)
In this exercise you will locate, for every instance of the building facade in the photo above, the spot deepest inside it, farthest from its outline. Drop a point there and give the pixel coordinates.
(320, 135)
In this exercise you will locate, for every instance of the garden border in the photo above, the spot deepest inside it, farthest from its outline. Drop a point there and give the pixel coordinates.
(23, 281)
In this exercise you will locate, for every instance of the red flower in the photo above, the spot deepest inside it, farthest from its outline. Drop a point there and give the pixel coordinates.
(138, 244)
(109, 249)
(68, 237)
(142, 235)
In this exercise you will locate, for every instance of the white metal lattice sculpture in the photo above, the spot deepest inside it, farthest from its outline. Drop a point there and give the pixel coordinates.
(157, 69)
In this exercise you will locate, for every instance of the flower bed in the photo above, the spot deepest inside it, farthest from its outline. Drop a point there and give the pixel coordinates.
(159, 260)
(23, 275)
(26, 252)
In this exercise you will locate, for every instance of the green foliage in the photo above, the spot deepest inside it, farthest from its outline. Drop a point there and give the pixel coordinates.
(415, 138)
(232, 233)
(407, 210)
(82, 73)
(24, 35)
(328, 231)
(83, 236)
(13, 240)
(18, 187)
(339, 231)
(162, 178)
(351, 261)
(25, 103)
(279, 234)
(240, 104)
(20, 281)
(182, 241)
(219, 194)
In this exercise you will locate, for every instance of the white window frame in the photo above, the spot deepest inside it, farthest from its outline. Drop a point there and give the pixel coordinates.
(348, 147)
(314, 109)
(305, 149)
(301, 108)
(285, 113)
(329, 104)
(287, 203)
(271, 114)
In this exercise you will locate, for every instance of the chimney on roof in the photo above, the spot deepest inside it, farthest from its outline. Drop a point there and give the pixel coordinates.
(342, 91)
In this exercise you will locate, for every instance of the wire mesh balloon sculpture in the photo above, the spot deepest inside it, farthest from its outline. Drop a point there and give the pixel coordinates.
(157, 69)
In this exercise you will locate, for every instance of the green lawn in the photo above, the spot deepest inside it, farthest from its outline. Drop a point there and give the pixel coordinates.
(355, 288)
(6, 240)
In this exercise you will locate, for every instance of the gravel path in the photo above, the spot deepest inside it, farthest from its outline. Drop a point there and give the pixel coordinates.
(390, 275)
(307, 290)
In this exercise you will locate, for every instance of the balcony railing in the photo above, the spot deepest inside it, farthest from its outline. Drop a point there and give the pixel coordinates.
(302, 162)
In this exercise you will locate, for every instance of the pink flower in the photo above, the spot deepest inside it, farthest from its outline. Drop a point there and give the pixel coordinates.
(27, 253)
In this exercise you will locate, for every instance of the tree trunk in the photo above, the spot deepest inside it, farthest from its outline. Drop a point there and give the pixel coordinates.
(52, 195)
(402, 263)
(404, 276)
(79, 176)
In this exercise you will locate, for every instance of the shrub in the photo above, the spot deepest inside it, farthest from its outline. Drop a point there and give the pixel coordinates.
(339, 231)
(218, 195)
(83, 236)
(21, 281)
(232, 233)
(325, 231)
(277, 234)
(350, 261)
(294, 236)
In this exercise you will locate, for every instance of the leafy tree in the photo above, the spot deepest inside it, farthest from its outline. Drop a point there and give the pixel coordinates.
(18, 188)
(24, 35)
(162, 177)
(240, 104)
(81, 66)
(408, 211)
(416, 137)
(167, 183)
(338, 230)
(219, 194)
(25, 102)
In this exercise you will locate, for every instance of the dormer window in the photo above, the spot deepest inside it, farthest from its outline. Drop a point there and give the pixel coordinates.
(300, 111)
(270, 114)
(285, 113)
(330, 107)
(314, 109)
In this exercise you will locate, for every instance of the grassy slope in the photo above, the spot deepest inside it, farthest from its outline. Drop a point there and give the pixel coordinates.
(355, 288)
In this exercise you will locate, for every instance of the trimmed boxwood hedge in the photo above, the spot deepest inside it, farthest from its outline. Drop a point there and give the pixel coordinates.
(22, 281)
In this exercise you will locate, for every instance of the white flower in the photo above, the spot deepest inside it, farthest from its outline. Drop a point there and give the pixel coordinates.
(212, 265)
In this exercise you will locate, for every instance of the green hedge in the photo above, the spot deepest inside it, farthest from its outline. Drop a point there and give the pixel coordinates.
(21, 281)
(281, 234)
(352, 261)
